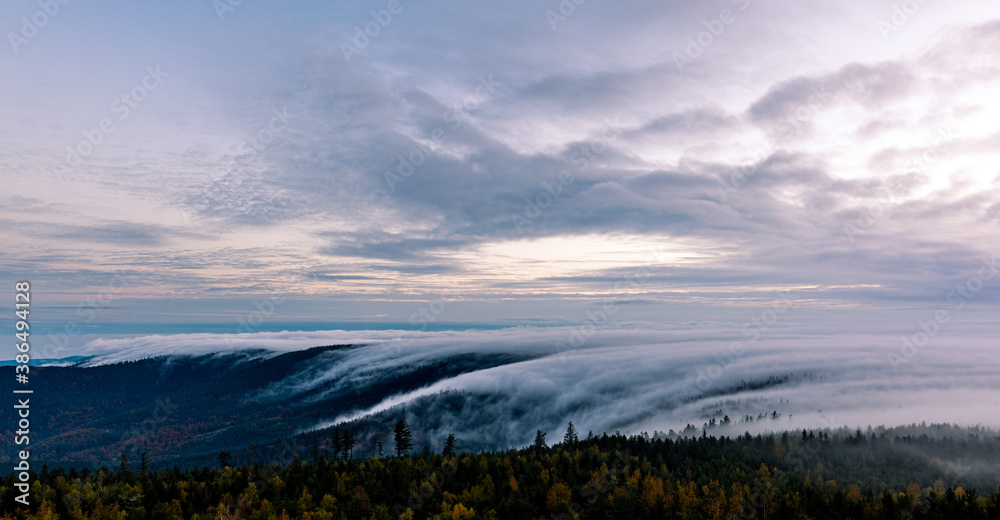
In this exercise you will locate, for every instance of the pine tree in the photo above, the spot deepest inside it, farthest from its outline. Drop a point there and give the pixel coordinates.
(539, 440)
(338, 443)
(403, 437)
(224, 458)
(570, 437)
(348, 444)
(450, 446)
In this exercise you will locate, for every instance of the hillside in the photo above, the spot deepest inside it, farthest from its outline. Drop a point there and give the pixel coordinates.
(185, 410)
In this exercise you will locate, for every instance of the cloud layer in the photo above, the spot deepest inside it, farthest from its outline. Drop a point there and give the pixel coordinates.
(632, 379)
(496, 153)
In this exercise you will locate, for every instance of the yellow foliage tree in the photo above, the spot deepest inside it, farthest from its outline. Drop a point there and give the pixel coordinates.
(652, 491)
(558, 498)
(461, 513)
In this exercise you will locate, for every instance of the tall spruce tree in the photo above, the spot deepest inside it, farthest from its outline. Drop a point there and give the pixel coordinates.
(570, 437)
(348, 444)
(403, 437)
(540, 440)
(338, 443)
(450, 445)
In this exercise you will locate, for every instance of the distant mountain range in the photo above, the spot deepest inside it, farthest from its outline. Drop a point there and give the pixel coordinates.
(67, 361)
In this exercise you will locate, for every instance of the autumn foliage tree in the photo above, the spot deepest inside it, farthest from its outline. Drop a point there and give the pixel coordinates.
(606, 476)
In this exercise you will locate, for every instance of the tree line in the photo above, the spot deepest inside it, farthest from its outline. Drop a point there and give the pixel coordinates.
(816, 474)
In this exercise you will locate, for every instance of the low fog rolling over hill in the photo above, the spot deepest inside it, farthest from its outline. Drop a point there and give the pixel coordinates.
(186, 397)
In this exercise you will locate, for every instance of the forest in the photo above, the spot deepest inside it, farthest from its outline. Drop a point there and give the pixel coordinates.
(919, 472)
(185, 409)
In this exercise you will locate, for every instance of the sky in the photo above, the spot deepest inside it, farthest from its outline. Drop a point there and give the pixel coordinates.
(236, 167)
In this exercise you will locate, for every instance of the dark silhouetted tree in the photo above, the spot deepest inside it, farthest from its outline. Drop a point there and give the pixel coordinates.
(450, 445)
(338, 443)
(570, 436)
(403, 437)
(539, 440)
(348, 444)
(224, 458)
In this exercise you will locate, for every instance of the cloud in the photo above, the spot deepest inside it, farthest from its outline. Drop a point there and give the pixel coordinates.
(870, 85)
(118, 233)
(695, 121)
(388, 247)
(334, 277)
(784, 155)
(633, 379)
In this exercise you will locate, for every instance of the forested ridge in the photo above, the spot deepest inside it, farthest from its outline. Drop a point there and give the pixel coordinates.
(185, 409)
(919, 472)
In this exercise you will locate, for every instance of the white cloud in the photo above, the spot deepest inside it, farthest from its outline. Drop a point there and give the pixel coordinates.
(636, 379)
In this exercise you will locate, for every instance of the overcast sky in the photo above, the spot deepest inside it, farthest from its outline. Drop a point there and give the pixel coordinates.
(188, 162)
